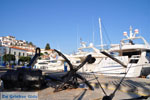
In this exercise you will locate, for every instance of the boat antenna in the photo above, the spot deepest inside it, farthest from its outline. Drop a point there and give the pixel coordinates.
(100, 29)
(131, 34)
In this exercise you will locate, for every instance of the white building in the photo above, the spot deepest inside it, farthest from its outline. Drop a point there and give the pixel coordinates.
(11, 41)
(8, 40)
(9, 45)
(15, 51)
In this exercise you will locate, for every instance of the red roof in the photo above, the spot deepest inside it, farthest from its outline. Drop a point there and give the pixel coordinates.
(19, 48)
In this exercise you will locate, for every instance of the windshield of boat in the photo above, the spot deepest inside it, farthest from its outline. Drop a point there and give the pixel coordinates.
(134, 41)
(43, 63)
(52, 61)
(128, 53)
(87, 50)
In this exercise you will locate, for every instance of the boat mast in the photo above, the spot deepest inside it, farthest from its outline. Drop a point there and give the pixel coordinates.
(100, 29)
(77, 37)
(93, 30)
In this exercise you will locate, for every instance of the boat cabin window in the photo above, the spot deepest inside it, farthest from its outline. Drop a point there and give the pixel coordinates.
(43, 63)
(148, 55)
(78, 62)
(134, 60)
(129, 54)
(53, 61)
(114, 53)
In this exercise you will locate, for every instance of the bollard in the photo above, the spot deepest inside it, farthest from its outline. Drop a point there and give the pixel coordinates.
(12, 66)
(65, 67)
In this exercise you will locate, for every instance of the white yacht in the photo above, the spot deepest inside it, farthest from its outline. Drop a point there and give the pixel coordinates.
(48, 65)
(83, 51)
(51, 63)
(135, 56)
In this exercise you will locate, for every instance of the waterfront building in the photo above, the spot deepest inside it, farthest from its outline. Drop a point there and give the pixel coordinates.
(9, 45)
(16, 51)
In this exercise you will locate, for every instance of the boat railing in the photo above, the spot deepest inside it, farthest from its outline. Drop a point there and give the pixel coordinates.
(133, 38)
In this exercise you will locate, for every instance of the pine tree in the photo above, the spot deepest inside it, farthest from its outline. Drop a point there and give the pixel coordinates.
(30, 43)
(47, 46)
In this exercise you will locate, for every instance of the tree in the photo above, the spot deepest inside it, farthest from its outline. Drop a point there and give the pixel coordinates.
(9, 57)
(41, 54)
(30, 43)
(47, 46)
(24, 59)
(46, 53)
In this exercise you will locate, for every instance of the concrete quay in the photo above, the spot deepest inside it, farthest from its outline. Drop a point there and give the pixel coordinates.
(130, 88)
(140, 86)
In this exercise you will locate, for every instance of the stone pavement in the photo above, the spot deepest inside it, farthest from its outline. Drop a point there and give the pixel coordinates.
(140, 86)
(81, 94)
(131, 87)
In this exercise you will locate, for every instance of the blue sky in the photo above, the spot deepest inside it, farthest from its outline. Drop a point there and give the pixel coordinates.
(63, 22)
